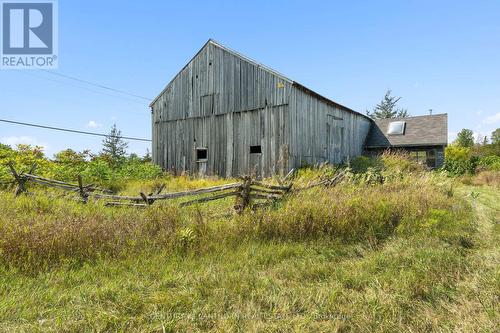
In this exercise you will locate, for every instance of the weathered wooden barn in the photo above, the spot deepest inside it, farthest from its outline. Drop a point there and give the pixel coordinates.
(225, 114)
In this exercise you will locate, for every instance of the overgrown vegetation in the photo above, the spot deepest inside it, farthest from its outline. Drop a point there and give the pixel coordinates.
(66, 165)
(391, 248)
(464, 157)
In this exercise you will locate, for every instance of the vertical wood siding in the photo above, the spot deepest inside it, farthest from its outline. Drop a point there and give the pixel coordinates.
(323, 132)
(225, 103)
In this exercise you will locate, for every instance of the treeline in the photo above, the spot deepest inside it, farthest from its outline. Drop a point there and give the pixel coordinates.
(68, 164)
(111, 165)
(467, 156)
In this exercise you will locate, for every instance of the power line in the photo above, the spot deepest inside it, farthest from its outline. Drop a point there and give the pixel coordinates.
(96, 84)
(81, 87)
(71, 130)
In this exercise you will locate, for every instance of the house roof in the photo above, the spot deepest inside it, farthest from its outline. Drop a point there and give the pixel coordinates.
(431, 130)
(272, 71)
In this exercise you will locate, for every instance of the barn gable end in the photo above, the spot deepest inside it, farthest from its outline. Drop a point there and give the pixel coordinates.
(225, 114)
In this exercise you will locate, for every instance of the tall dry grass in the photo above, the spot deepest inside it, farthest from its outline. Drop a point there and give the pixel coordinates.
(37, 232)
(353, 212)
(488, 178)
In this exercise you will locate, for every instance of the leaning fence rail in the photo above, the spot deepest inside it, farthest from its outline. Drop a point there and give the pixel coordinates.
(248, 192)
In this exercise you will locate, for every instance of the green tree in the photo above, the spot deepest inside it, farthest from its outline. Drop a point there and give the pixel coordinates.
(387, 108)
(5, 147)
(465, 138)
(495, 137)
(113, 145)
(69, 156)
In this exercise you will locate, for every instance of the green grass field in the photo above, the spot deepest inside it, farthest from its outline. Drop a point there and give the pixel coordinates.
(418, 253)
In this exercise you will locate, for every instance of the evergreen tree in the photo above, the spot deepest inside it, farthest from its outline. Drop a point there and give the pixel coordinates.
(113, 145)
(387, 108)
(465, 138)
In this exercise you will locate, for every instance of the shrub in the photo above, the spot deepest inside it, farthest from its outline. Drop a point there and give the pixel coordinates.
(362, 163)
(98, 169)
(459, 160)
(491, 163)
(136, 169)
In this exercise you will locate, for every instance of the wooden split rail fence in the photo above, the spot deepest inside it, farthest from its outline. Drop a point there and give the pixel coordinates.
(248, 192)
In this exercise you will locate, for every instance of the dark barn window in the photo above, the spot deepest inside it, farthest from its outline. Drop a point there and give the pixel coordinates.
(255, 150)
(201, 154)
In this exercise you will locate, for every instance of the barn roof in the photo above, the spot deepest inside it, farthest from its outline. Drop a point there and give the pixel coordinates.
(430, 130)
(270, 70)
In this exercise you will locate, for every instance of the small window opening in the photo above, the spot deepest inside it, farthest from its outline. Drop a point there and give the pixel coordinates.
(396, 128)
(201, 154)
(255, 150)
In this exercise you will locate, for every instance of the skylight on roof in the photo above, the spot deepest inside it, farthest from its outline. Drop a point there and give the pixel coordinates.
(396, 128)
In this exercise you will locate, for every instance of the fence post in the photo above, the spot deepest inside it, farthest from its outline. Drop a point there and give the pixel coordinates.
(82, 190)
(20, 179)
(146, 199)
(243, 199)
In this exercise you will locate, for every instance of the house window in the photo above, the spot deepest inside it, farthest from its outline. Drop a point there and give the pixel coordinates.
(431, 158)
(201, 154)
(255, 150)
(396, 128)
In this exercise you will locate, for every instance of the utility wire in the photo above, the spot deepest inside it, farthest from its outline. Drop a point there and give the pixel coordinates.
(95, 84)
(81, 87)
(72, 131)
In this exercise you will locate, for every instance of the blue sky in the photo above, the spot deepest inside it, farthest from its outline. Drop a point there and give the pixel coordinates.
(440, 55)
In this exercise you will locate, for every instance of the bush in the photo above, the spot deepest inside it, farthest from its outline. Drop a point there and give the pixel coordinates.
(459, 160)
(98, 170)
(363, 163)
(68, 164)
(491, 163)
(136, 169)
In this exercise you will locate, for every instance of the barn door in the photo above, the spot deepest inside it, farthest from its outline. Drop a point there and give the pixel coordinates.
(334, 139)
(247, 150)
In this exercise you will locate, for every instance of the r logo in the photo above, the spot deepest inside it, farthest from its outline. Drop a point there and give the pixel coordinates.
(27, 28)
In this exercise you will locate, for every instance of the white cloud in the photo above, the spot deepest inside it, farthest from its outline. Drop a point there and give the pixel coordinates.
(492, 119)
(93, 124)
(13, 141)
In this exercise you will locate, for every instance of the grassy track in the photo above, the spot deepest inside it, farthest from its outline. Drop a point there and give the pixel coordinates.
(418, 282)
(479, 299)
